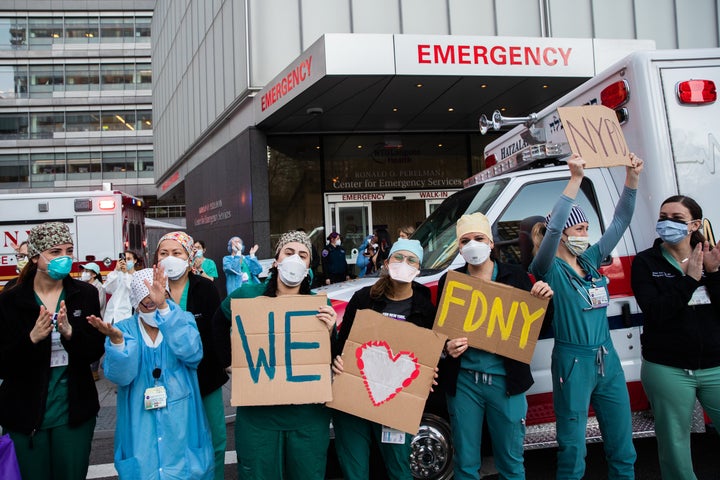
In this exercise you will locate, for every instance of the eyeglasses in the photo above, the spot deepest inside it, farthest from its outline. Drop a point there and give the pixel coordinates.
(20, 256)
(411, 260)
(149, 306)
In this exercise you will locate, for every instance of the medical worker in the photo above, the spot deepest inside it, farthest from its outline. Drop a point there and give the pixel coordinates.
(117, 284)
(198, 295)
(48, 399)
(586, 369)
(240, 269)
(280, 441)
(396, 296)
(677, 285)
(481, 385)
(161, 430)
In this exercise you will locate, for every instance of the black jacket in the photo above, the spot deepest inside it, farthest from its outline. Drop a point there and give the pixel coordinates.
(518, 377)
(674, 333)
(422, 313)
(202, 301)
(25, 367)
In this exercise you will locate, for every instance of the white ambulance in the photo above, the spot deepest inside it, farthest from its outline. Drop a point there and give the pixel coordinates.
(666, 104)
(102, 223)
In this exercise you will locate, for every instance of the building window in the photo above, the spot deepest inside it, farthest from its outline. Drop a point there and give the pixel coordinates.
(118, 121)
(13, 126)
(44, 125)
(142, 28)
(144, 75)
(84, 165)
(82, 30)
(44, 79)
(82, 122)
(13, 81)
(14, 171)
(116, 29)
(13, 33)
(43, 32)
(47, 168)
(145, 163)
(144, 120)
(115, 77)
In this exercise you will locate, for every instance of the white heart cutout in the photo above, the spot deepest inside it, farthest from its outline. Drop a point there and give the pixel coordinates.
(385, 374)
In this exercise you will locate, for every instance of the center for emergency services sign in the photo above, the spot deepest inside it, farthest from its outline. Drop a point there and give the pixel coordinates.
(494, 317)
(280, 351)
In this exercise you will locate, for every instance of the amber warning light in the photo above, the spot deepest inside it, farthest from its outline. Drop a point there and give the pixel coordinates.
(108, 204)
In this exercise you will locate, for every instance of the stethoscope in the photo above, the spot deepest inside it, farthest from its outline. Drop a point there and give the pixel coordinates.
(580, 288)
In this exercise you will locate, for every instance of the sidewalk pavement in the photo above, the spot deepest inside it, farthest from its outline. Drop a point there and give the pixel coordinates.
(107, 393)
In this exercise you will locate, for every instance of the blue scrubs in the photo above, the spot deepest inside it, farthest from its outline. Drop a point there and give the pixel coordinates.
(170, 442)
(586, 369)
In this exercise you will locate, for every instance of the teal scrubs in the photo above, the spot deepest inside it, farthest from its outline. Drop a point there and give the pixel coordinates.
(481, 395)
(586, 369)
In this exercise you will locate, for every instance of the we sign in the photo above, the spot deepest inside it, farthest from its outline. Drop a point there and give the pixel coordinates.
(494, 317)
(280, 351)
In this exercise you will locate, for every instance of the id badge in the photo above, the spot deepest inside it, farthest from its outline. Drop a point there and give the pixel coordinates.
(155, 397)
(598, 297)
(700, 296)
(390, 435)
(58, 354)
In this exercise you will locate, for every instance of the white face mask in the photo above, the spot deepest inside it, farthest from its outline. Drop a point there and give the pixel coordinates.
(338, 243)
(85, 276)
(475, 253)
(174, 267)
(148, 318)
(292, 270)
(402, 272)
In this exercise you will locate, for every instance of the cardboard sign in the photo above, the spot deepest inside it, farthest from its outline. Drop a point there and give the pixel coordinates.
(494, 317)
(280, 351)
(389, 367)
(594, 133)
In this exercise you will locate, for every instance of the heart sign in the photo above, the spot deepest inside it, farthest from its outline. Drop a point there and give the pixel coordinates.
(385, 374)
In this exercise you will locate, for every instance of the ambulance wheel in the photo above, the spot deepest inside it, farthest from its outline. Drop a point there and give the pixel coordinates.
(432, 449)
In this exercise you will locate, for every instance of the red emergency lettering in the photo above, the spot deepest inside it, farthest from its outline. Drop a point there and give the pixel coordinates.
(516, 55)
(286, 84)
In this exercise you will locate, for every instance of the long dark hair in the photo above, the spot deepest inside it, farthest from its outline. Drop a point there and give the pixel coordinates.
(27, 272)
(695, 211)
(384, 287)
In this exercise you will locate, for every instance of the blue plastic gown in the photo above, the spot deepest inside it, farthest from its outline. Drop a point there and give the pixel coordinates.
(167, 443)
(235, 265)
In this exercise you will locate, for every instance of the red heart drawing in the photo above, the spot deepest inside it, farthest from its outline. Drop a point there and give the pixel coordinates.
(385, 374)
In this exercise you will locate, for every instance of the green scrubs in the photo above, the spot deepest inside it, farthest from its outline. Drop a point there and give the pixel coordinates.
(281, 441)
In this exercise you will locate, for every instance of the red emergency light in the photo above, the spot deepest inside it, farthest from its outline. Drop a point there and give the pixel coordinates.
(696, 91)
(107, 204)
(615, 95)
(490, 160)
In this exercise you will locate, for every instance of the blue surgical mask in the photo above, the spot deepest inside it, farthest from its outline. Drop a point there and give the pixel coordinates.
(59, 267)
(671, 231)
(129, 264)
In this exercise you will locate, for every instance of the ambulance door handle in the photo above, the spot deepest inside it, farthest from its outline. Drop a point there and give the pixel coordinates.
(625, 314)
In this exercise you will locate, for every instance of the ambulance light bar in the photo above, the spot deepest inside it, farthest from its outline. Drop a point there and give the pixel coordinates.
(523, 159)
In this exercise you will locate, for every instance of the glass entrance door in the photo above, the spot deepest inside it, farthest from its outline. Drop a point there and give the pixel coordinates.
(352, 221)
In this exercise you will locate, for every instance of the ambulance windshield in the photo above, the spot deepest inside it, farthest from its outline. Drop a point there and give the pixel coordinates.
(437, 233)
